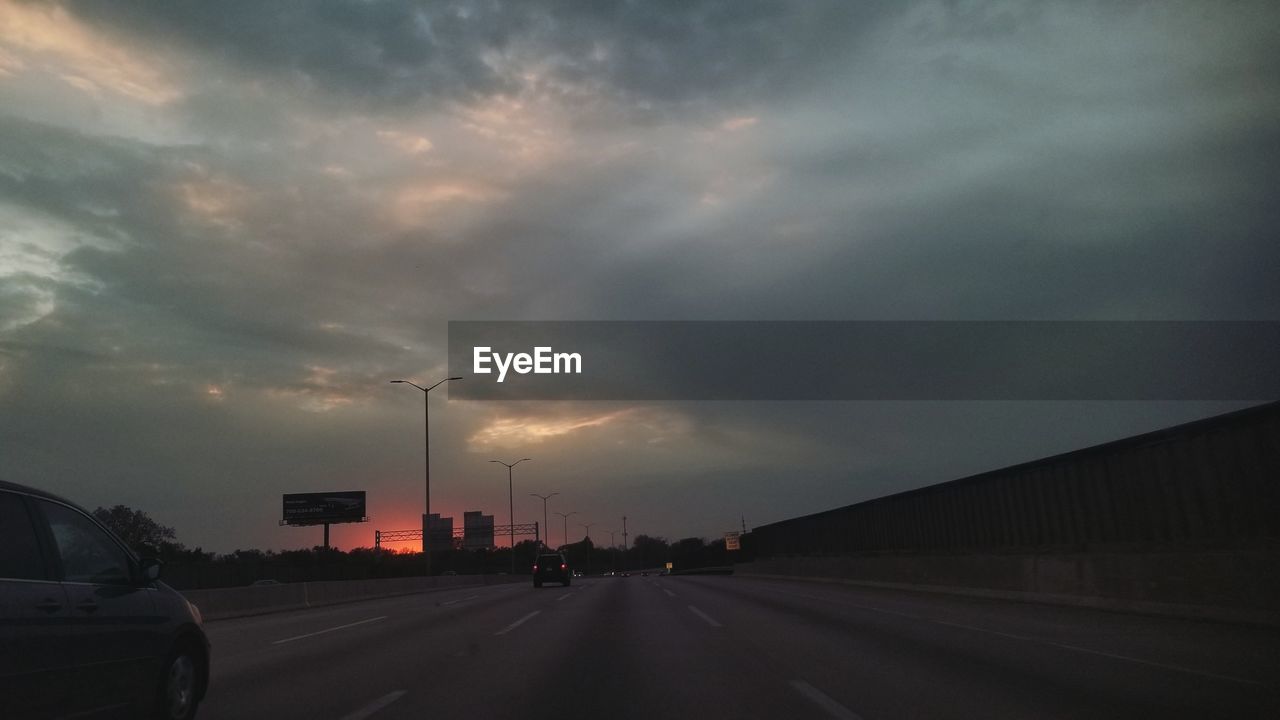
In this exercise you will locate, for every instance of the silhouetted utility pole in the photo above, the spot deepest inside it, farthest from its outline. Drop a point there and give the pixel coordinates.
(426, 445)
(545, 526)
(511, 500)
(566, 525)
(624, 539)
(584, 544)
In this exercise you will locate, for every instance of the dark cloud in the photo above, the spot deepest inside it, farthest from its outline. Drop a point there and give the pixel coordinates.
(226, 225)
(400, 52)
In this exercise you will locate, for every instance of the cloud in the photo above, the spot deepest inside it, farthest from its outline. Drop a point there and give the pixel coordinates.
(395, 53)
(228, 224)
(52, 41)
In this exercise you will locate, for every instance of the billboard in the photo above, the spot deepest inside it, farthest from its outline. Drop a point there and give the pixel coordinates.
(325, 507)
(731, 541)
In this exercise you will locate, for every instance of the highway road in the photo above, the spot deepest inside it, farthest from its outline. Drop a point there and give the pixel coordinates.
(731, 647)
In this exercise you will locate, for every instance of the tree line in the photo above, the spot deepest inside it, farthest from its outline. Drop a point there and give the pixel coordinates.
(187, 568)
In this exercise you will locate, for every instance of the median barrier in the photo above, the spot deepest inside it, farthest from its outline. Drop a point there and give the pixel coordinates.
(221, 603)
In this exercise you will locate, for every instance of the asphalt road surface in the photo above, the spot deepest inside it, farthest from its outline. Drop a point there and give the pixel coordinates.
(731, 647)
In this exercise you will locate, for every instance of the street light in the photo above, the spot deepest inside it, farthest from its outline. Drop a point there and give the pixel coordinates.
(545, 498)
(512, 502)
(566, 524)
(584, 547)
(426, 447)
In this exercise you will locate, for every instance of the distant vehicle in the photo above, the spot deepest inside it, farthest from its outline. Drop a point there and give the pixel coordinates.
(259, 583)
(551, 567)
(85, 626)
(577, 573)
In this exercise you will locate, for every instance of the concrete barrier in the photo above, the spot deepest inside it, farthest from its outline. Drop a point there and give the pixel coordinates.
(1232, 586)
(223, 603)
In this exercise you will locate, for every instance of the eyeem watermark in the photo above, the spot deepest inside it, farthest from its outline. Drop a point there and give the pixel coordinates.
(542, 362)
(866, 360)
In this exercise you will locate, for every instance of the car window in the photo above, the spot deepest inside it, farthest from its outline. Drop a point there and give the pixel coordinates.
(88, 553)
(19, 550)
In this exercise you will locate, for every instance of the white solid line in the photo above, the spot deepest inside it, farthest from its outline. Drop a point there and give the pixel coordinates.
(1177, 668)
(329, 630)
(824, 701)
(517, 623)
(704, 616)
(374, 706)
(668, 592)
(563, 596)
(1028, 638)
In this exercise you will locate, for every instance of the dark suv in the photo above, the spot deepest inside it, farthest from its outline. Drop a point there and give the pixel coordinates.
(550, 567)
(86, 628)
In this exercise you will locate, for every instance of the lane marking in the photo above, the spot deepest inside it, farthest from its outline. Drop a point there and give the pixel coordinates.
(375, 706)
(458, 600)
(517, 623)
(1028, 638)
(668, 592)
(329, 630)
(824, 701)
(568, 594)
(1152, 663)
(710, 621)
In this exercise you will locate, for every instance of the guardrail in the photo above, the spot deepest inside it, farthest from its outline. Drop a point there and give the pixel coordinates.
(221, 603)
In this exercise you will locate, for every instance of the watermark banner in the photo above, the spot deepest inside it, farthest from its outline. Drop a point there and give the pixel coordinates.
(865, 360)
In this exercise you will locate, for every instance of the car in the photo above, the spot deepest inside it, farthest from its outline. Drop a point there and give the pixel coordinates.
(551, 567)
(87, 627)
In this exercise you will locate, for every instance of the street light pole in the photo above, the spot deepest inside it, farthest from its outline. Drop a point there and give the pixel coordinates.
(512, 507)
(584, 547)
(426, 467)
(566, 524)
(545, 498)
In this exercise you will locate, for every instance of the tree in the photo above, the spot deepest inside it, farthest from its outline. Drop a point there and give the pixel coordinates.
(647, 551)
(137, 529)
(689, 553)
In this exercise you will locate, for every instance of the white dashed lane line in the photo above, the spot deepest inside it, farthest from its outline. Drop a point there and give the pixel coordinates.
(517, 623)
(824, 701)
(374, 706)
(710, 620)
(329, 630)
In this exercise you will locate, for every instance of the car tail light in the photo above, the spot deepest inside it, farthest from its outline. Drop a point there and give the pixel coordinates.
(535, 568)
(563, 566)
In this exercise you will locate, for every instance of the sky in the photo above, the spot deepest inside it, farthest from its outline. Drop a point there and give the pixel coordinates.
(224, 227)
